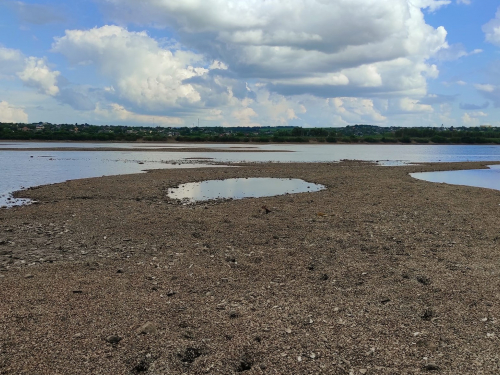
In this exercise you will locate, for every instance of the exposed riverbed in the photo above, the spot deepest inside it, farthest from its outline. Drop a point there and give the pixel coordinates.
(380, 273)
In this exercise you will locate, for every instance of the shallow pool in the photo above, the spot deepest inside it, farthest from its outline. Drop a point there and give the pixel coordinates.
(239, 188)
(485, 178)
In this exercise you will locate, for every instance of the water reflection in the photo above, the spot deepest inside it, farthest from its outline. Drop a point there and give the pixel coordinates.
(238, 188)
(20, 170)
(485, 178)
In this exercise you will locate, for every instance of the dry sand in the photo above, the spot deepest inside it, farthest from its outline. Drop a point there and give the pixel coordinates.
(378, 274)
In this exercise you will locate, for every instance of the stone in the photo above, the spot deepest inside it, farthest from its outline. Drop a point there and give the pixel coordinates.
(29, 276)
(428, 315)
(146, 328)
(113, 339)
(431, 367)
(120, 270)
(424, 280)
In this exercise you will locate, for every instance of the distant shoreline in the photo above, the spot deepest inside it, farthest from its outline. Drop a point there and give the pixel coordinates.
(239, 144)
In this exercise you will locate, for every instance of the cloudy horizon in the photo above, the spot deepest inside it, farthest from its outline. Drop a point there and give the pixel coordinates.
(309, 63)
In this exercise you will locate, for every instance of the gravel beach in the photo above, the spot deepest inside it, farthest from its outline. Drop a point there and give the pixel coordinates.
(378, 274)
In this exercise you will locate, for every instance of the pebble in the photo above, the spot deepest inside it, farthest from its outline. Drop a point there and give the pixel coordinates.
(147, 328)
(29, 276)
(431, 367)
(288, 330)
(113, 339)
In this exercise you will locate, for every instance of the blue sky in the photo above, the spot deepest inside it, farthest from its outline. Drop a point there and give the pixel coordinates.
(247, 63)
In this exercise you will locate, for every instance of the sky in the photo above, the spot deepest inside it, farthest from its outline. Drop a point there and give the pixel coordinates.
(308, 63)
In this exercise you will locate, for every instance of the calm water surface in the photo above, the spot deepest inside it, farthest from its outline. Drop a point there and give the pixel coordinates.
(239, 188)
(21, 169)
(485, 178)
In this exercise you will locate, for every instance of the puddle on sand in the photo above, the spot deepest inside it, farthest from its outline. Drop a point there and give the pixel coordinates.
(239, 188)
(485, 178)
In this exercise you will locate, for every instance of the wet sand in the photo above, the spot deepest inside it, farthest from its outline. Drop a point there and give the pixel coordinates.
(379, 274)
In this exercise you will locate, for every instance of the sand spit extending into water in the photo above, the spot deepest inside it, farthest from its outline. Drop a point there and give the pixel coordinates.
(379, 274)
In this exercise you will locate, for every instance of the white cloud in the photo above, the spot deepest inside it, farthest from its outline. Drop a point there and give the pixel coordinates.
(466, 2)
(140, 70)
(473, 118)
(244, 117)
(117, 112)
(37, 74)
(492, 29)
(413, 106)
(485, 88)
(306, 46)
(355, 110)
(10, 60)
(9, 113)
(432, 5)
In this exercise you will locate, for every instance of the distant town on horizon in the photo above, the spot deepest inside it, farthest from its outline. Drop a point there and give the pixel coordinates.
(44, 131)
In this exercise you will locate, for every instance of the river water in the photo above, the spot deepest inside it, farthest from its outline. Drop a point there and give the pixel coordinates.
(22, 169)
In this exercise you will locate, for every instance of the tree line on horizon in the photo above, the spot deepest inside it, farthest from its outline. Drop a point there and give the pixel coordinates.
(278, 134)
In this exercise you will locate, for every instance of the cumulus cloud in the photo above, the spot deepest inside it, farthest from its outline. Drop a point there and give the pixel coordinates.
(140, 70)
(326, 48)
(77, 98)
(352, 109)
(37, 74)
(116, 112)
(490, 92)
(10, 60)
(9, 113)
(455, 52)
(473, 118)
(432, 5)
(492, 29)
(485, 87)
(414, 106)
